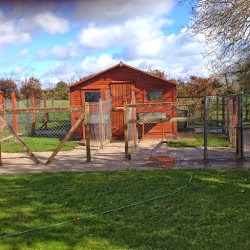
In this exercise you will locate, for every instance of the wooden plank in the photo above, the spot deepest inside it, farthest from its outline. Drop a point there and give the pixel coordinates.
(163, 104)
(14, 106)
(134, 124)
(46, 115)
(25, 147)
(67, 136)
(33, 117)
(41, 110)
(183, 119)
(87, 122)
(127, 154)
(162, 132)
(101, 123)
(152, 120)
(160, 120)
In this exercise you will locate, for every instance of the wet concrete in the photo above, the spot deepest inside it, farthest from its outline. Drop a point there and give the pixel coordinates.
(148, 155)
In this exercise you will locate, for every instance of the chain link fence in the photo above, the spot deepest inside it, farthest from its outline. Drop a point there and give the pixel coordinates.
(227, 127)
(219, 126)
(100, 125)
(174, 122)
(246, 125)
(35, 130)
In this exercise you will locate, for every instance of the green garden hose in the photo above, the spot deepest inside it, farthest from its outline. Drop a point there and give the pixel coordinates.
(101, 213)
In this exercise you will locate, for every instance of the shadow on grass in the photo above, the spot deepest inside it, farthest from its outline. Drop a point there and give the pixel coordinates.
(209, 213)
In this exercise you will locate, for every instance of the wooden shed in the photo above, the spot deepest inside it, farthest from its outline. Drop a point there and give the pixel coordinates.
(120, 83)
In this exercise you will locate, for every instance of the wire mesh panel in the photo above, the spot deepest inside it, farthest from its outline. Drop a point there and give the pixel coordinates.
(45, 127)
(225, 121)
(39, 133)
(175, 123)
(100, 124)
(246, 125)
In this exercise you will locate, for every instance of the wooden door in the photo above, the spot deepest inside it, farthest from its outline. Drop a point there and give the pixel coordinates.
(120, 92)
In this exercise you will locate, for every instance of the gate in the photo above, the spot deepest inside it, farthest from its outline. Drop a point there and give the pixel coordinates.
(246, 125)
(226, 127)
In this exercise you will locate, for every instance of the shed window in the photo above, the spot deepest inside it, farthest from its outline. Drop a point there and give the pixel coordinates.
(92, 96)
(154, 95)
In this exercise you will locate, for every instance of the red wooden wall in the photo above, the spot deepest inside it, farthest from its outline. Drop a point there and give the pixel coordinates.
(1, 99)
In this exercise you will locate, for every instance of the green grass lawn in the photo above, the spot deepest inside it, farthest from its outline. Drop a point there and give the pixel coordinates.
(214, 140)
(4, 133)
(211, 213)
(36, 144)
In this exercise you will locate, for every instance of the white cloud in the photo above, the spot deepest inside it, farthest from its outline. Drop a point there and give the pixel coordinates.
(92, 65)
(60, 71)
(101, 38)
(10, 34)
(143, 33)
(17, 70)
(134, 31)
(51, 23)
(24, 52)
(178, 55)
(104, 12)
(60, 52)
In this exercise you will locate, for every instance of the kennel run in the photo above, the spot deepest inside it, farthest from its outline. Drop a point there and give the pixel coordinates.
(223, 117)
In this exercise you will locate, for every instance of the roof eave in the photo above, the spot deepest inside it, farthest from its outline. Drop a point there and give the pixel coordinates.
(121, 64)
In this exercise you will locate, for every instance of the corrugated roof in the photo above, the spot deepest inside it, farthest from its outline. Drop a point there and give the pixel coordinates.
(120, 64)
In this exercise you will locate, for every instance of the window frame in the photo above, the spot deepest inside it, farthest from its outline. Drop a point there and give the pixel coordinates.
(92, 91)
(154, 89)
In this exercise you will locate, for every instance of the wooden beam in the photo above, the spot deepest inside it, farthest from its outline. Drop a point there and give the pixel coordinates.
(14, 106)
(67, 136)
(160, 120)
(40, 110)
(151, 120)
(163, 104)
(101, 124)
(127, 154)
(87, 122)
(134, 124)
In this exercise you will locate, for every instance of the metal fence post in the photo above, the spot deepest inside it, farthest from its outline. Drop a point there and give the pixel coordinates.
(239, 133)
(205, 128)
(234, 121)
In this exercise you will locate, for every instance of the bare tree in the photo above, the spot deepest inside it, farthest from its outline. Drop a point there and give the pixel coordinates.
(8, 85)
(225, 25)
(31, 87)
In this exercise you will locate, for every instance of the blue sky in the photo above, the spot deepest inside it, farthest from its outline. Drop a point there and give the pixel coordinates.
(65, 40)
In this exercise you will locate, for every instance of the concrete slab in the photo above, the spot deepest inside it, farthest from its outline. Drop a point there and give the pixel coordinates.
(112, 158)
